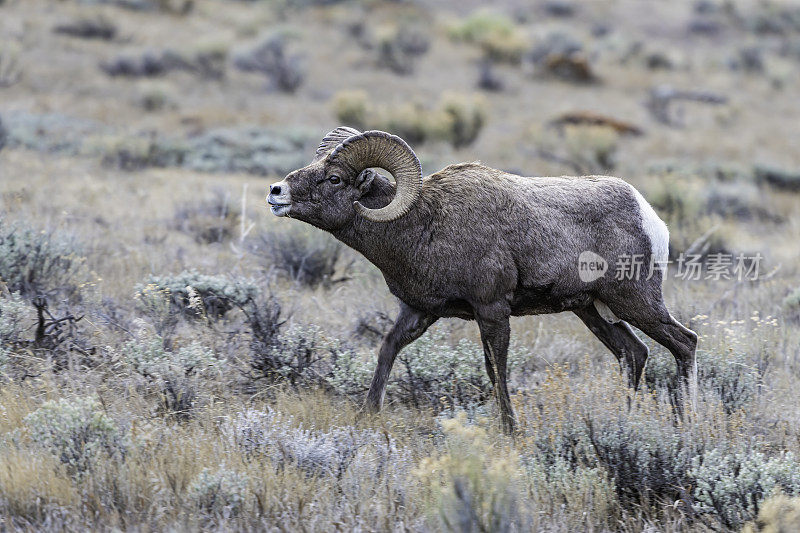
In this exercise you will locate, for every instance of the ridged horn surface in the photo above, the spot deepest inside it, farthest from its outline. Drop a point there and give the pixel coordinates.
(389, 152)
(333, 139)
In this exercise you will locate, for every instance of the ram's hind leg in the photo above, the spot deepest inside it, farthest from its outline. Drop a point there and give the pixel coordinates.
(674, 336)
(620, 339)
(653, 318)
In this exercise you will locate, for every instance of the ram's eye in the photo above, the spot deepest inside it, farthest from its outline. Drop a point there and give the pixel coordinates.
(334, 179)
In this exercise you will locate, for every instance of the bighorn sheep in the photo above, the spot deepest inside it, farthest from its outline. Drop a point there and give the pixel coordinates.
(480, 244)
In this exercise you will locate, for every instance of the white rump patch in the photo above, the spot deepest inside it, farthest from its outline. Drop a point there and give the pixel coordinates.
(655, 228)
(607, 314)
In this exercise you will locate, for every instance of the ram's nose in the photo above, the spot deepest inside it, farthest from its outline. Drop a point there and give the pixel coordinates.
(279, 199)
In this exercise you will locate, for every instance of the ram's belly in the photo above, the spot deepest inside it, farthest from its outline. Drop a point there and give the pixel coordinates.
(544, 300)
(525, 301)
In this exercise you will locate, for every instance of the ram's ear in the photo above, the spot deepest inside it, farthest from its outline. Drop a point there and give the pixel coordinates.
(364, 180)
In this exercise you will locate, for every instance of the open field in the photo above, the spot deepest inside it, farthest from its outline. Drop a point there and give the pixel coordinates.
(173, 357)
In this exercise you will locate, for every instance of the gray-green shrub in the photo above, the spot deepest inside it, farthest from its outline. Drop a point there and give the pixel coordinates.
(149, 357)
(647, 461)
(304, 355)
(197, 295)
(270, 59)
(307, 258)
(172, 374)
(791, 303)
(35, 262)
(398, 48)
(728, 374)
(208, 221)
(431, 372)
(644, 453)
(496, 34)
(77, 431)
(457, 119)
(731, 486)
(328, 453)
(222, 492)
(14, 311)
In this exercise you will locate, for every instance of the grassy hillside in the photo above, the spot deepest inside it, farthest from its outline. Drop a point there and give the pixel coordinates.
(172, 356)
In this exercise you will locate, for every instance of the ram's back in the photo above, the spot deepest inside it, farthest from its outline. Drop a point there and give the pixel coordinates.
(541, 223)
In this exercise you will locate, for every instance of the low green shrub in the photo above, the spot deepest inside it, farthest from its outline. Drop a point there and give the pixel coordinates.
(254, 150)
(457, 119)
(77, 431)
(644, 455)
(149, 357)
(410, 121)
(770, 18)
(10, 65)
(739, 200)
(481, 23)
(732, 486)
(398, 47)
(305, 355)
(587, 490)
(195, 295)
(729, 375)
(209, 221)
(434, 372)
(678, 199)
(137, 153)
(431, 372)
(3, 134)
(308, 258)
(14, 311)
(220, 493)
(585, 148)
(98, 27)
(593, 148)
(157, 96)
(496, 34)
(791, 303)
(464, 118)
(647, 461)
(206, 62)
(352, 107)
(271, 59)
(172, 375)
(473, 485)
(332, 453)
(48, 132)
(38, 262)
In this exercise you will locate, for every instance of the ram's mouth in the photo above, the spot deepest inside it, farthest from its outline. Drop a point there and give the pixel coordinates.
(279, 209)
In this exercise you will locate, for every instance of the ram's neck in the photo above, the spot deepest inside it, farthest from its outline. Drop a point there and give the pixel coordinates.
(387, 245)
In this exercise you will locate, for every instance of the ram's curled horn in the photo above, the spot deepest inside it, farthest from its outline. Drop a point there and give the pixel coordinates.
(389, 152)
(334, 139)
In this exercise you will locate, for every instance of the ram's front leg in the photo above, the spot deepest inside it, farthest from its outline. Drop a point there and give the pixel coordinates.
(495, 334)
(409, 326)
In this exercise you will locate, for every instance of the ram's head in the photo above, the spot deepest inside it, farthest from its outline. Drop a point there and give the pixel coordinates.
(326, 193)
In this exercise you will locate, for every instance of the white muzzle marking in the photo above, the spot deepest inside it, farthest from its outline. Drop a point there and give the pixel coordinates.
(280, 199)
